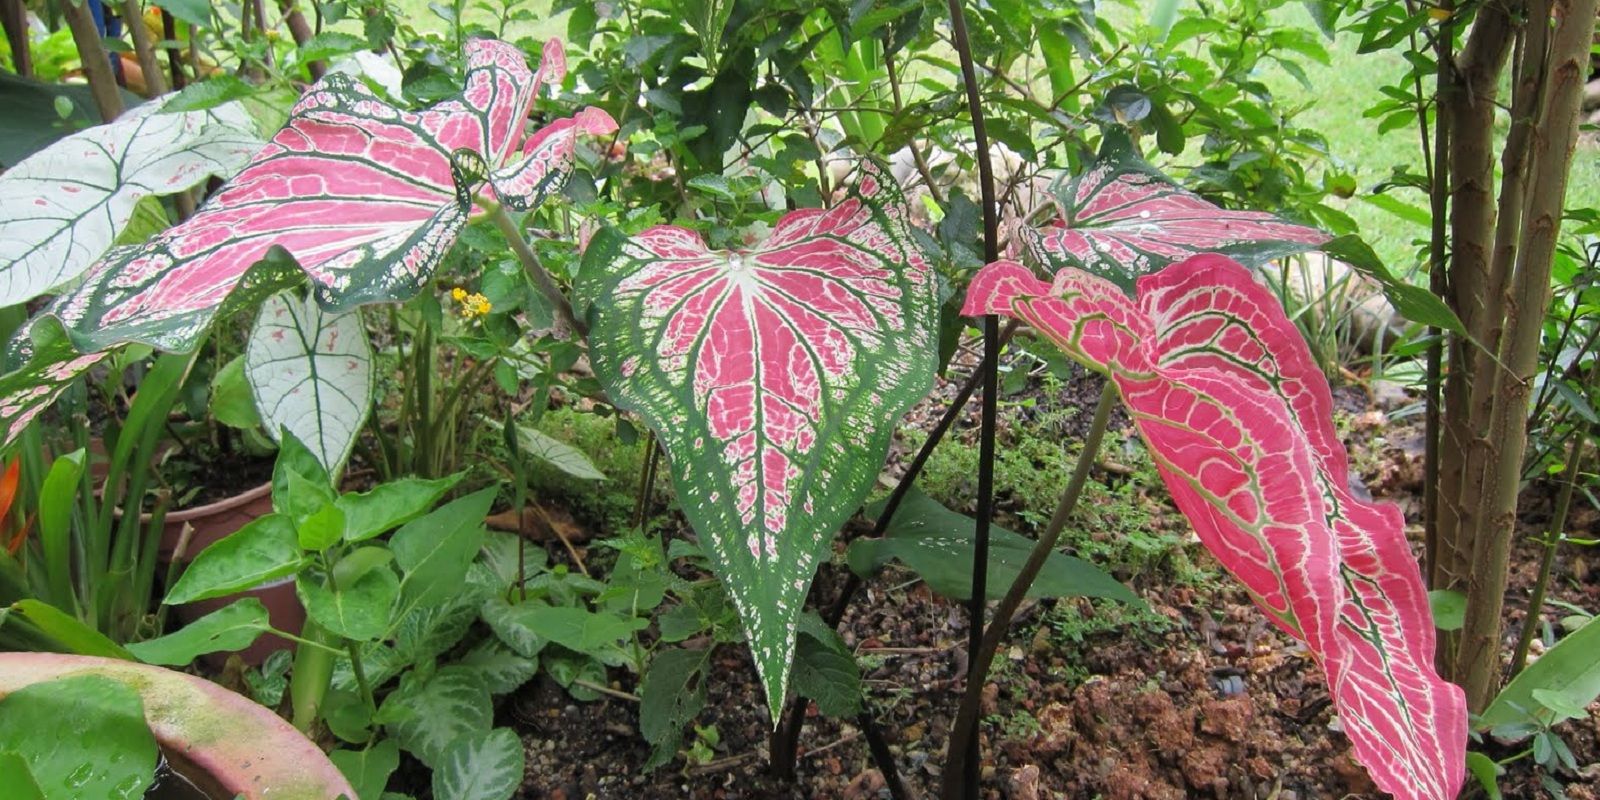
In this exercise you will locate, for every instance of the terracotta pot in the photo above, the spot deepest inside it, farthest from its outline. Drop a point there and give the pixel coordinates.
(211, 523)
(225, 744)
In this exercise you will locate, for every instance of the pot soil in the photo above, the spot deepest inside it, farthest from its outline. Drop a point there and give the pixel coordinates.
(225, 744)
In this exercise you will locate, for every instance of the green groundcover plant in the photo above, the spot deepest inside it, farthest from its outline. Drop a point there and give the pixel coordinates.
(772, 376)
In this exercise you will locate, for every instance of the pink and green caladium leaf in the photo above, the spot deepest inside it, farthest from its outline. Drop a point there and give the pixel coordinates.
(1238, 418)
(772, 377)
(1122, 218)
(63, 207)
(365, 198)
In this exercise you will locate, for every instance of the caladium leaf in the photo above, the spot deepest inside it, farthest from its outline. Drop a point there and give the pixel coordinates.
(1122, 218)
(1238, 418)
(365, 198)
(311, 373)
(772, 377)
(63, 207)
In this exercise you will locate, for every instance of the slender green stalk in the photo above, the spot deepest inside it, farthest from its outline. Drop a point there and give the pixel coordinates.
(362, 683)
(963, 733)
(1552, 541)
(536, 271)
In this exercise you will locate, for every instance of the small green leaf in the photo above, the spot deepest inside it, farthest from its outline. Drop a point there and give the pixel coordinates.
(1563, 705)
(1487, 773)
(1449, 609)
(359, 611)
(265, 549)
(502, 668)
(231, 401)
(936, 543)
(554, 452)
(368, 770)
(434, 551)
(390, 505)
(49, 725)
(1568, 668)
(597, 635)
(825, 671)
(229, 629)
(481, 766)
(194, 12)
(670, 697)
(322, 529)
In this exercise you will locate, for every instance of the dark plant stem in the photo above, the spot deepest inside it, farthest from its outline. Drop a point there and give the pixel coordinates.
(786, 740)
(1552, 542)
(963, 733)
(96, 63)
(647, 480)
(879, 747)
(991, 392)
(14, 18)
(155, 81)
(536, 271)
(169, 32)
(1439, 284)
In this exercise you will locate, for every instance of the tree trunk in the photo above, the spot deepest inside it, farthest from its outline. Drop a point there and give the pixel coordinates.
(14, 18)
(96, 65)
(1526, 301)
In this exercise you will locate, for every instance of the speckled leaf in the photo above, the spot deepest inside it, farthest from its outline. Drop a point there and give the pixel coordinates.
(772, 377)
(1239, 420)
(311, 372)
(1122, 218)
(63, 207)
(364, 197)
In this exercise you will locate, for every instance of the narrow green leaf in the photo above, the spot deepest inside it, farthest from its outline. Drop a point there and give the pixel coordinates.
(228, 629)
(265, 549)
(1570, 668)
(390, 505)
(936, 543)
(368, 770)
(71, 634)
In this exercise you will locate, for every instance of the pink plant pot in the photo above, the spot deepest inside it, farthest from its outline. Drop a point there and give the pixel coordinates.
(224, 743)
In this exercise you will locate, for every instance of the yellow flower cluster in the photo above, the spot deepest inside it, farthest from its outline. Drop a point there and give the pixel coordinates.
(472, 305)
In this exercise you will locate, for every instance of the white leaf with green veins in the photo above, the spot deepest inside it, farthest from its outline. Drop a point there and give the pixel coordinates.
(311, 372)
(63, 207)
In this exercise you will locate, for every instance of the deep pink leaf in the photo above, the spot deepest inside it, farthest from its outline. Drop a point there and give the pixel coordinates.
(1122, 218)
(1239, 420)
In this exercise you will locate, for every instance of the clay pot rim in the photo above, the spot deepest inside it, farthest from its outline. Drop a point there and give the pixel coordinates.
(217, 506)
(184, 713)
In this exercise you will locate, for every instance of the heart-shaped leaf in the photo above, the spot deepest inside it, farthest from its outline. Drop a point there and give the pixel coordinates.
(1122, 218)
(63, 207)
(1239, 420)
(772, 377)
(311, 373)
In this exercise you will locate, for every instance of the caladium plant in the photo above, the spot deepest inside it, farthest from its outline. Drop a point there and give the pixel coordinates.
(63, 207)
(772, 378)
(1122, 218)
(1238, 418)
(364, 197)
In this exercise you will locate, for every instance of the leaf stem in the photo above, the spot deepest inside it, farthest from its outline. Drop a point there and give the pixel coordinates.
(536, 271)
(1558, 525)
(963, 734)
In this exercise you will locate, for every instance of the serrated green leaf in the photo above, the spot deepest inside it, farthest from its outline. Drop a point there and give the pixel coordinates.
(481, 766)
(428, 717)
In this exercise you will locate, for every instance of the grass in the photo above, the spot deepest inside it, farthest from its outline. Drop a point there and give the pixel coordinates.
(1345, 87)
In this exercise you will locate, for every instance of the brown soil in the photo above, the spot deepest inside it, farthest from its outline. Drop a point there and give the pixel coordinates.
(1213, 704)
